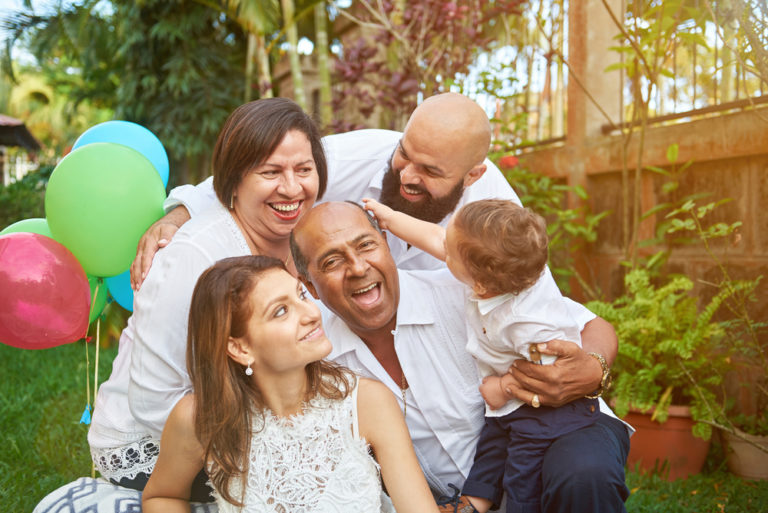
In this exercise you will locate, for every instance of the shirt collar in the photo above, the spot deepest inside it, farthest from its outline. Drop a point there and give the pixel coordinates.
(417, 302)
(486, 305)
(375, 184)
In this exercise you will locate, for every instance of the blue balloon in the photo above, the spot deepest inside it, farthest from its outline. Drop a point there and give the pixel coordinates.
(132, 135)
(120, 288)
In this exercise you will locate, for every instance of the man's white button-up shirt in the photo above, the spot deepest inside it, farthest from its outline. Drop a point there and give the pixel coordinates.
(445, 409)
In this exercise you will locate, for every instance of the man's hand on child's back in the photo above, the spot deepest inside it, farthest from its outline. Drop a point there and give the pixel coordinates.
(573, 375)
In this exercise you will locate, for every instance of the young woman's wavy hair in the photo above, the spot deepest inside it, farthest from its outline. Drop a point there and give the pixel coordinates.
(226, 400)
(503, 246)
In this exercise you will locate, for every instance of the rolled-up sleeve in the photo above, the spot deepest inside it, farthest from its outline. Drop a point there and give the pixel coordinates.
(196, 198)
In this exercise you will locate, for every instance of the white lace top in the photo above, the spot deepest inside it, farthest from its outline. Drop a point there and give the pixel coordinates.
(315, 462)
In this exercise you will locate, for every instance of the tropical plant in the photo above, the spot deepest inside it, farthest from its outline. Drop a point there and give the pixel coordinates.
(744, 335)
(677, 344)
(670, 351)
(49, 113)
(323, 65)
(410, 49)
(258, 18)
(648, 37)
(24, 199)
(742, 29)
(171, 66)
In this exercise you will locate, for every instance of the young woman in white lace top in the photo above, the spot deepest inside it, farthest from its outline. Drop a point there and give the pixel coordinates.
(278, 428)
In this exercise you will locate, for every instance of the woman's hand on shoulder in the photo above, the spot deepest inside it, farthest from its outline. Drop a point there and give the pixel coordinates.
(157, 236)
(179, 462)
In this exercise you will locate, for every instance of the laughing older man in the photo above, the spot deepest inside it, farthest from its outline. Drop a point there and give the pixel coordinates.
(406, 329)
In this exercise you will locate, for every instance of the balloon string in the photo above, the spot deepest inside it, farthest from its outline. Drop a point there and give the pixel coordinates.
(96, 372)
(87, 374)
(87, 364)
(96, 365)
(93, 299)
(96, 379)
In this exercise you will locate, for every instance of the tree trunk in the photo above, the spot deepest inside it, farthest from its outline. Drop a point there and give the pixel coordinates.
(557, 113)
(249, 56)
(323, 66)
(264, 75)
(292, 36)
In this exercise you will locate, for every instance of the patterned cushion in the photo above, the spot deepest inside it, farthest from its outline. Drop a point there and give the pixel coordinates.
(89, 495)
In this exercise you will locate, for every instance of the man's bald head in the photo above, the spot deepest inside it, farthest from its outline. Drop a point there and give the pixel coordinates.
(441, 153)
(344, 261)
(460, 123)
(317, 214)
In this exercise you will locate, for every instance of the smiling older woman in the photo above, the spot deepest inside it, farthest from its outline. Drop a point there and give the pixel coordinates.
(269, 168)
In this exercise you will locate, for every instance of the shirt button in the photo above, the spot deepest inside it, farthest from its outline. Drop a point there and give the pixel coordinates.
(592, 408)
(484, 330)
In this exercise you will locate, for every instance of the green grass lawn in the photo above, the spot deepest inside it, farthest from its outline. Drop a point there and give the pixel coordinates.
(42, 396)
(43, 393)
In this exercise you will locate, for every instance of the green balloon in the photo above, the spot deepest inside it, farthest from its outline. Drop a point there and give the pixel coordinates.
(98, 297)
(36, 225)
(100, 200)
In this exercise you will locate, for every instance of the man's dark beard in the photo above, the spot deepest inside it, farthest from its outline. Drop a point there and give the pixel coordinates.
(429, 209)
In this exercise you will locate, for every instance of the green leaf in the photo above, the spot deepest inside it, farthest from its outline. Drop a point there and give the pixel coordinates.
(622, 49)
(655, 209)
(658, 170)
(702, 211)
(693, 38)
(616, 66)
(669, 187)
(580, 192)
(667, 73)
(672, 153)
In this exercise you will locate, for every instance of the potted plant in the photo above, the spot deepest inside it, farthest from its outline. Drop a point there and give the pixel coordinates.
(744, 427)
(742, 415)
(746, 445)
(670, 366)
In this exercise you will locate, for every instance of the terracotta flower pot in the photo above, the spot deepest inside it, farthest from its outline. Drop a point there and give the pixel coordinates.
(672, 442)
(744, 459)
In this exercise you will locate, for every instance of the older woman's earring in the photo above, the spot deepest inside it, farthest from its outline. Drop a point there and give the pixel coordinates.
(248, 370)
(232, 202)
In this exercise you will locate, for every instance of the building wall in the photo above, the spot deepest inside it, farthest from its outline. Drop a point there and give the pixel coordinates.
(729, 155)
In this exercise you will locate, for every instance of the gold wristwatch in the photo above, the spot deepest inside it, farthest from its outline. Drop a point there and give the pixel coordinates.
(605, 380)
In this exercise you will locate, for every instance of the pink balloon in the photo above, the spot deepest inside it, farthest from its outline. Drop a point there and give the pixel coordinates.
(44, 293)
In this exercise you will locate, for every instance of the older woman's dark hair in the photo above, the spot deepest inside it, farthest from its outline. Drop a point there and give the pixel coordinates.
(252, 133)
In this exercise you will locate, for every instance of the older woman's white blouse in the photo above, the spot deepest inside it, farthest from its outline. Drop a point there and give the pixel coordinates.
(149, 374)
